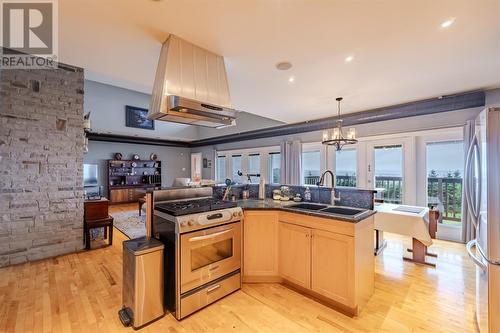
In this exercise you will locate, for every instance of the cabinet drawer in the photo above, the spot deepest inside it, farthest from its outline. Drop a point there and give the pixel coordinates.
(209, 294)
(321, 223)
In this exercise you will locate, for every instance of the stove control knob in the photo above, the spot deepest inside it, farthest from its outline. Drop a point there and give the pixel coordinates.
(240, 214)
(235, 214)
(190, 222)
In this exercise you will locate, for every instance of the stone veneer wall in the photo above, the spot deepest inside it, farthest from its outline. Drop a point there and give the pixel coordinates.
(41, 163)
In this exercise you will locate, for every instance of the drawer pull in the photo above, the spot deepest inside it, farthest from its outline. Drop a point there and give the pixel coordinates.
(212, 289)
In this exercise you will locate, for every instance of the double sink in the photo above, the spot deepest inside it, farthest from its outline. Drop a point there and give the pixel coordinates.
(333, 210)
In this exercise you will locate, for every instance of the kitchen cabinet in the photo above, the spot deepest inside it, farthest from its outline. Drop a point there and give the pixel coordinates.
(332, 268)
(260, 249)
(328, 259)
(295, 254)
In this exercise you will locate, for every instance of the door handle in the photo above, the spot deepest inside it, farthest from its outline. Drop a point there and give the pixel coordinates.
(472, 244)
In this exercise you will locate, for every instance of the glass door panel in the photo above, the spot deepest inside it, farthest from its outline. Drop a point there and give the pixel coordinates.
(274, 168)
(220, 169)
(346, 167)
(388, 172)
(236, 166)
(445, 170)
(311, 167)
(254, 167)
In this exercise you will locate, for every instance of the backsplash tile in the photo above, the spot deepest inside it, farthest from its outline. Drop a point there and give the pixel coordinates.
(351, 197)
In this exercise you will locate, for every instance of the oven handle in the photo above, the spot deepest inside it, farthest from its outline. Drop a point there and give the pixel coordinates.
(199, 238)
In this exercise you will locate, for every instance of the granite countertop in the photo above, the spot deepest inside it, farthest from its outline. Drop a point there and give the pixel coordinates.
(269, 204)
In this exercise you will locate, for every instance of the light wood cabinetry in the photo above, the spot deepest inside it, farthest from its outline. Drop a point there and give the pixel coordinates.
(260, 246)
(295, 254)
(328, 259)
(332, 273)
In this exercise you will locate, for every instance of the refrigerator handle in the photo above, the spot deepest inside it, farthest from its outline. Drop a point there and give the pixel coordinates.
(469, 176)
(472, 244)
(480, 181)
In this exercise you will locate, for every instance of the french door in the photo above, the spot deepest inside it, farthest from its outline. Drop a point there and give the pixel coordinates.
(390, 166)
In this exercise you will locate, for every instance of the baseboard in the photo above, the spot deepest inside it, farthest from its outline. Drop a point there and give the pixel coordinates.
(347, 310)
(262, 279)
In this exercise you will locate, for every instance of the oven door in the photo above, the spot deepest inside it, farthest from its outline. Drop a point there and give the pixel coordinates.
(209, 254)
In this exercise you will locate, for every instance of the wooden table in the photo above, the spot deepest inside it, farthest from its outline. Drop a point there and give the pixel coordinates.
(416, 222)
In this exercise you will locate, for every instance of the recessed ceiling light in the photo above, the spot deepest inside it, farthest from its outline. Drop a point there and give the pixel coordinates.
(291, 79)
(447, 23)
(349, 59)
(284, 65)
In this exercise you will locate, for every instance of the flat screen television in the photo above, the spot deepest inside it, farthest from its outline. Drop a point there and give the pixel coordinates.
(90, 175)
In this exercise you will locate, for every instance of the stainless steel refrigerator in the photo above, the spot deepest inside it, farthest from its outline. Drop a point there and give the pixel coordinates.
(482, 193)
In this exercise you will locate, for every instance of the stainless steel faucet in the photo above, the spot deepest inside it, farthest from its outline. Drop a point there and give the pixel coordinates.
(321, 183)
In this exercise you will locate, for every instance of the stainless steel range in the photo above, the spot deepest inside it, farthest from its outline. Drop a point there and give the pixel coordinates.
(202, 238)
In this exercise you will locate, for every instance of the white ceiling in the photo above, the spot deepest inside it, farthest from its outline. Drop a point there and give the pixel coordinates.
(400, 51)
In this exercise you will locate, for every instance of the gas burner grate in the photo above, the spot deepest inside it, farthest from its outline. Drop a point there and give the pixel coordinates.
(178, 208)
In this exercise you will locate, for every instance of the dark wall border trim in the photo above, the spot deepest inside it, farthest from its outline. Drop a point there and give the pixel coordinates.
(93, 136)
(419, 108)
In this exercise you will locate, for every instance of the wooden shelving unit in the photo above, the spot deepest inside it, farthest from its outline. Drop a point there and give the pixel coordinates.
(129, 180)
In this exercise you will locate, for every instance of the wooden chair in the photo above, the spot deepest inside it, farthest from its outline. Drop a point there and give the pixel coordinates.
(96, 216)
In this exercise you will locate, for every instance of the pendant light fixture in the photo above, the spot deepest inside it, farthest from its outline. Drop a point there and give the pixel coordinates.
(335, 136)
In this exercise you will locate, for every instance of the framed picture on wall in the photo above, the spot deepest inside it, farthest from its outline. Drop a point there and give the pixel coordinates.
(138, 118)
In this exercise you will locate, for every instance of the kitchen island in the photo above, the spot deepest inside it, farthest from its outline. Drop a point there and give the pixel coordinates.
(328, 257)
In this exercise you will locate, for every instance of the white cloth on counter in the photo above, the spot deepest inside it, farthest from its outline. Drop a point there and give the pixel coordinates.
(405, 223)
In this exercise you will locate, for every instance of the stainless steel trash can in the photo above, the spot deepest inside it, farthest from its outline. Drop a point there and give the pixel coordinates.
(142, 281)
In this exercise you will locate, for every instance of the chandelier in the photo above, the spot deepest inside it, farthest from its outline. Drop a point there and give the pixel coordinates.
(335, 136)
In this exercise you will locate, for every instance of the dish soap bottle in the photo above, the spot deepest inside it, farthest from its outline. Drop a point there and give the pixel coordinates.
(307, 194)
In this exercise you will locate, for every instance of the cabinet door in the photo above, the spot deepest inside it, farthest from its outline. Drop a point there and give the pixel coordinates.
(295, 253)
(118, 195)
(333, 266)
(260, 243)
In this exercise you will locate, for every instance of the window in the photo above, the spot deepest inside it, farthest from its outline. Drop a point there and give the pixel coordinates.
(236, 163)
(310, 167)
(251, 160)
(254, 166)
(274, 168)
(389, 172)
(346, 167)
(445, 161)
(221, 169)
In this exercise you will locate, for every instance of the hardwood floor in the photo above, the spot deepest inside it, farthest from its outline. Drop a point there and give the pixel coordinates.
(82, 293)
